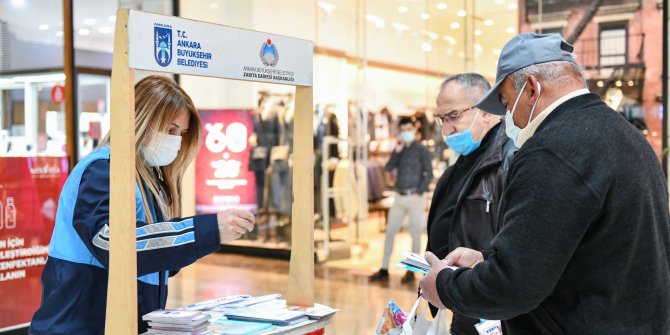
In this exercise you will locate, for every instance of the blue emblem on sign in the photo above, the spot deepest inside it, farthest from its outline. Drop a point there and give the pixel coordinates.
(163, 45)
(269, 54)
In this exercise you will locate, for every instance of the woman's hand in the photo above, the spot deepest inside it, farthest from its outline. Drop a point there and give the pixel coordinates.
(234, 223)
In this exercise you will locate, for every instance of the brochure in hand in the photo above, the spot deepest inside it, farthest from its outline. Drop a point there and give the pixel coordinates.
(416, 263)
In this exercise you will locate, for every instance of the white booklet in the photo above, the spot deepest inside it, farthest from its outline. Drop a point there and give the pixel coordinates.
(416, 263)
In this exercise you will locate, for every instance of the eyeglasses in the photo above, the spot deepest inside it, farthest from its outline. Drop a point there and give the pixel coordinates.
(452, 117)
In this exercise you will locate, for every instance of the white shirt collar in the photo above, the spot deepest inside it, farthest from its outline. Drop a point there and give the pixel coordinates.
(526, 133)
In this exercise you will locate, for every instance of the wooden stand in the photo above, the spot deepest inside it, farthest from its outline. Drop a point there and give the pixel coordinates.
(121, 317)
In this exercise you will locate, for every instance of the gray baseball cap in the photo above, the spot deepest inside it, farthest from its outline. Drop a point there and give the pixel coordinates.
(524, 50)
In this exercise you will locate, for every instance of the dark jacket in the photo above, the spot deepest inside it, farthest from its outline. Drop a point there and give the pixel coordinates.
(415, 169)
(475, 216)
(584, 241)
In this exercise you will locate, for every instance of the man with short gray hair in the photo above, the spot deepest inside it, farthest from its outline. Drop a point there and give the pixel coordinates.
(584, 239)
(464, 209)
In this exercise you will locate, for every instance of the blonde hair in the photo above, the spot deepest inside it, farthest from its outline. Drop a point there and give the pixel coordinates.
(158, 101)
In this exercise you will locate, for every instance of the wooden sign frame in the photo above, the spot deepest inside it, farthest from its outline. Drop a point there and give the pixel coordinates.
(121, 317)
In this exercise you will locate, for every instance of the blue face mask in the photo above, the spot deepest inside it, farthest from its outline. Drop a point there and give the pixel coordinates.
(408, 136)
(463, 142)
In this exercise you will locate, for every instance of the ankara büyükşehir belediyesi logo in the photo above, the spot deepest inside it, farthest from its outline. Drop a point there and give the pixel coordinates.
(269, 54)
(163, 45)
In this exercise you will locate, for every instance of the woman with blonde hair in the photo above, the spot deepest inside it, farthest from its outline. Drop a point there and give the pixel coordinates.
(74, 282)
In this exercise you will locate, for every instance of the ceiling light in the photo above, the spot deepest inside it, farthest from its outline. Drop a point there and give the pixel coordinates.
(43, 27)
(90, 22)
(461, 13)
(83, 32)
(478, 47)
(376, 20)
(618, 83)
(441, 6)
(213, 5)
(112, 18)
(450, 52)
(488, 22)
(512, 6)
(455, 25)
(461, 54)
(18, 2)
(426, 47)
(327, 6)
(496, 52)
(402, 9)
(105, 30)
(59, 33)
(510, 30)
(424, 16)
(431, 34)
(400, 26)
(600, 83)
(449, 39)
(500, 2)
(478, 32)
(631, 83)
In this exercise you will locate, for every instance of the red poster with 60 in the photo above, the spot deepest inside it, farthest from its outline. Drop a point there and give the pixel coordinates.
(222, 177)
(29, 191)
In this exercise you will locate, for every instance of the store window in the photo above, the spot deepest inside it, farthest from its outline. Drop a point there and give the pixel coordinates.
(612, 45)
(93, 25)
(31, 79)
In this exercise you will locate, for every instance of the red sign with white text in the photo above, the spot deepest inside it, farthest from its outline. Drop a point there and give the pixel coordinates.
(222, 177)
(29, 191)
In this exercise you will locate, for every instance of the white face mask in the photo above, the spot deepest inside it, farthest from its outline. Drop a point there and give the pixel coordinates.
(511, 129)
(162, 150)
(408, 136)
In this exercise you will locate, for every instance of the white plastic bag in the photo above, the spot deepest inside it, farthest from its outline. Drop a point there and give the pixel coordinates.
(418, 324)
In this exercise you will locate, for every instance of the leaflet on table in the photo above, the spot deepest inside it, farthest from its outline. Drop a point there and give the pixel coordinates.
(233, 327)
(176, 317)
(279, 317)
(319, 312)
(208, 304)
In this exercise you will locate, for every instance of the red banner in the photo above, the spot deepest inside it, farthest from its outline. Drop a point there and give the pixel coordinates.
(222, 177)
(29, 191)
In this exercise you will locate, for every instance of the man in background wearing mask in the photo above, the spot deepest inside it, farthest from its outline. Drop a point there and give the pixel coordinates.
(464, 209)
(413, 162)
(584, 239)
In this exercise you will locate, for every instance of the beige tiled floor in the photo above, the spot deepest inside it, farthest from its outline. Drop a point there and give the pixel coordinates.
(341, 284)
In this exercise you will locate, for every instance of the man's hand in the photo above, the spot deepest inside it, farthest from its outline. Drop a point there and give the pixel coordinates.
(399, 146)
(428, 283)
(234, 223)
(464, 257)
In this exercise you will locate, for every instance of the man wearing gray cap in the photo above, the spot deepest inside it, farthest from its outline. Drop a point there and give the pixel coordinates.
(584, 239)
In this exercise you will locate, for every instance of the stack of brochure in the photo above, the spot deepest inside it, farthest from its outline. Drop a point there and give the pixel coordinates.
(277, 316)
(416, 263)
(177, 322)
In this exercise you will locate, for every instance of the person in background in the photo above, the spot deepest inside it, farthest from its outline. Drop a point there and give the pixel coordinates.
(413, 163)
(584, 238)
(464, 210)
(74, 281)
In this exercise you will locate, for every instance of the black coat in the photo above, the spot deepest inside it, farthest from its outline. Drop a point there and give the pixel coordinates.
(585, 239)
(474, 219)
(475, 216)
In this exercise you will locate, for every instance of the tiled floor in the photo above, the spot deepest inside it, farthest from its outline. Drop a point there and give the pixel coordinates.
(340, 284)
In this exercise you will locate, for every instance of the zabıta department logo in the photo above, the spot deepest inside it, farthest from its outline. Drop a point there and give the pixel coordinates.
(269, 54)
(163, 44)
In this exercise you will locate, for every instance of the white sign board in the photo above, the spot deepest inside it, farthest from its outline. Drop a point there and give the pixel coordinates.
(176, 45)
